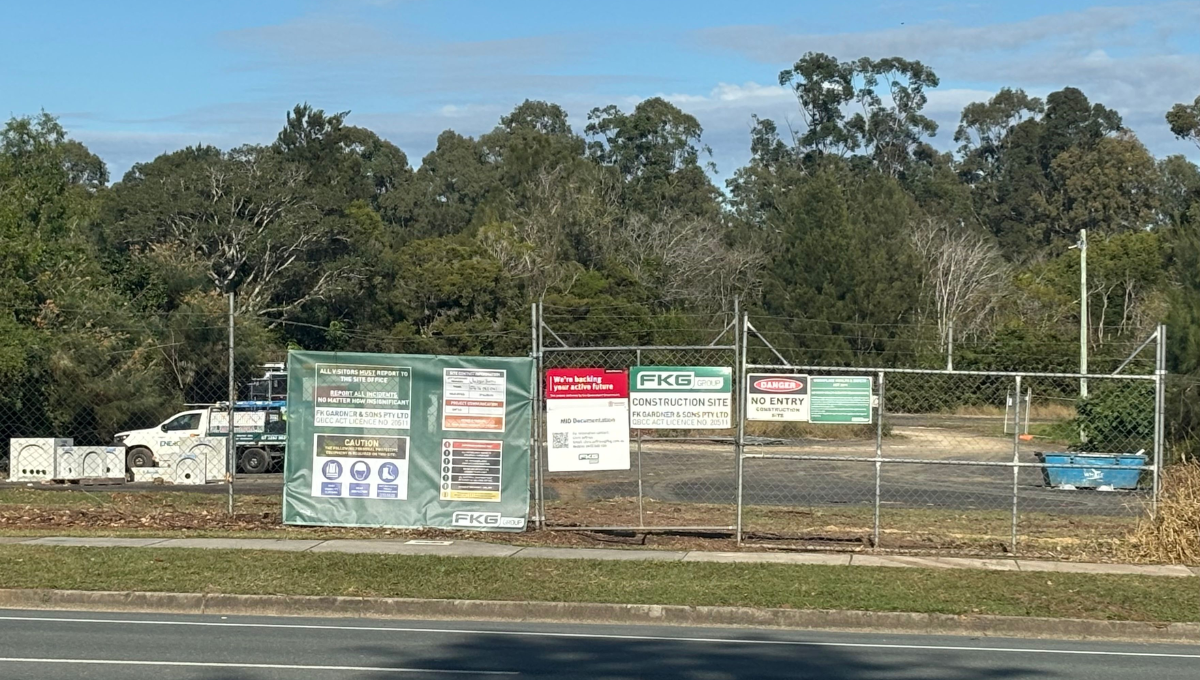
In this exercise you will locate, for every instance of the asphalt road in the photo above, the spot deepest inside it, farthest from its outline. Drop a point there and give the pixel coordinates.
(61, 645)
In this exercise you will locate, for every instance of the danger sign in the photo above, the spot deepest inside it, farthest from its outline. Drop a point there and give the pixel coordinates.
(777, 397)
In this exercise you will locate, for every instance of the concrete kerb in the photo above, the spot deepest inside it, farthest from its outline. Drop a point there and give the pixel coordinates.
(600, 554)
(454, 549)
(1098, 568)
(283, 544)
(574, 612)
(97, 542)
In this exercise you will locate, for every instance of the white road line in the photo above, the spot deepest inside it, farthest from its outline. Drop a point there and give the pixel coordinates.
(609, 636)
(258, 666)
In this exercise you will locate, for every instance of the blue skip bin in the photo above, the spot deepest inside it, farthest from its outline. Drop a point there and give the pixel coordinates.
(1084, 477)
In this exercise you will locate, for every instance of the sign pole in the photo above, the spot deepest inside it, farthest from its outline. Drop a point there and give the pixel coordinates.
(231, 453)
(641, 515)
(742, 396)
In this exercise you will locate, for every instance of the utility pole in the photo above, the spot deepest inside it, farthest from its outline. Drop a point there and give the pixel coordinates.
(950, 347)
(1083, 314)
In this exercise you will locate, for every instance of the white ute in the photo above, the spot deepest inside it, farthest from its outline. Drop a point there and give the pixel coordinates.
(256, 447)
(140, 445)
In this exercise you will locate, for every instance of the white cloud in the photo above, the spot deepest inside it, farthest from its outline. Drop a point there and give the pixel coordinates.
(1124, 57)
(409, 88)
(1093, 28)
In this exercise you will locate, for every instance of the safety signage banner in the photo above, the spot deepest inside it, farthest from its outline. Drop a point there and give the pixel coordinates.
(402, 440)
(681, 397)
(587, 419)
(776, 396)
(355, 466)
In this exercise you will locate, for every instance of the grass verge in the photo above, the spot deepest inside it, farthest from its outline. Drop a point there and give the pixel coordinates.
(1107, 597)
(1086, 537)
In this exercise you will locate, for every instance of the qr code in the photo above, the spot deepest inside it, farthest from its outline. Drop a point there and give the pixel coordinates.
(560, 440)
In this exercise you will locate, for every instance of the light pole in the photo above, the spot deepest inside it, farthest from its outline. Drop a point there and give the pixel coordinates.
(1083, 313)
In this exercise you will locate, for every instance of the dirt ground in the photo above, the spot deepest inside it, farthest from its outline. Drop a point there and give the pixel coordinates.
(687, 494)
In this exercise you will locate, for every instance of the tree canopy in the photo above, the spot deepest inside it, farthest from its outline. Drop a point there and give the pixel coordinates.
(852, 236)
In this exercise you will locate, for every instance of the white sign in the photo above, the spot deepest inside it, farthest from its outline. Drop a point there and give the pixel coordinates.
(587, 419)
(473, 399)
(681, 397)
(777, 397)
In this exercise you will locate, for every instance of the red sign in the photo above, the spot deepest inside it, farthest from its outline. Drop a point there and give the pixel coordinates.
(780, 385)
(586, 383)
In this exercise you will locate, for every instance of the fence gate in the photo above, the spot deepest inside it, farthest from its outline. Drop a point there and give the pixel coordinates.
(677, 479)
(913, 459)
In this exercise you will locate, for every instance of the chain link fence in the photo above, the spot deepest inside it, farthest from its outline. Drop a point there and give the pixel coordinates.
(972, 462)
(677, 479)
(978, 462)
(85, 382)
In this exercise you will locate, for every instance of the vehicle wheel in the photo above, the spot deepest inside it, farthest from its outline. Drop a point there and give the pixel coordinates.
(139, 457)
(255, 461)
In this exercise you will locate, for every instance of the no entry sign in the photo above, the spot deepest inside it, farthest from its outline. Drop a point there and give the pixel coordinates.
(777, 397)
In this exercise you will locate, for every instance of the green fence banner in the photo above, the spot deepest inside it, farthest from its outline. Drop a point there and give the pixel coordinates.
(406, 440)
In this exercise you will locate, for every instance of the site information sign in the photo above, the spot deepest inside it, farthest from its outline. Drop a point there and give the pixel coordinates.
(778, 397)
(363, 396)
(473, 400)
(587, 419)
(680, 397)
(390, 440)
(840, 399)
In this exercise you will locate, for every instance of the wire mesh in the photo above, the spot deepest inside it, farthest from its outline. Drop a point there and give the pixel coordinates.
(93, 381)
(968, 462)
(676, 478)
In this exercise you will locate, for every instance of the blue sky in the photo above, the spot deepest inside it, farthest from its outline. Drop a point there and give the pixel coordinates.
(135, 79)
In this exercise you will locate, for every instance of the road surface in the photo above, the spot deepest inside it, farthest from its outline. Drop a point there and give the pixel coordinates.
(38, 645)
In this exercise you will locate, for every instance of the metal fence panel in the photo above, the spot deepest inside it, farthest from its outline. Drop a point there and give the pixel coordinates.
(677, 479)
(960, 461)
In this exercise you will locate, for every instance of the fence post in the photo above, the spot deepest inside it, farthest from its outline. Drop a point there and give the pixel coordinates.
(641, 516)
(1160, 407)
(231, 441)
(878, 459)
(1008, 398)
(535, 353)
(1016, 464)
(740, 444)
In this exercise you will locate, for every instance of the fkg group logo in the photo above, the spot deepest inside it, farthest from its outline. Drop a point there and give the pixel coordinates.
(677, 380)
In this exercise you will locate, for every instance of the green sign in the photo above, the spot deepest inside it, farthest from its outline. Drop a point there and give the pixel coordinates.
(839, 399)
(680, 397)
(394, 440)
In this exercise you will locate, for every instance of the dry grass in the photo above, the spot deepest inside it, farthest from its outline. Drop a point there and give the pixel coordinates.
(1173, 534)
(1097, 538)
(1045, 410)
(818, 431)
(1074, 537)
